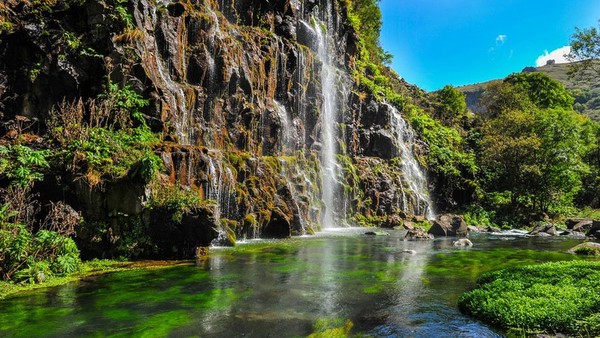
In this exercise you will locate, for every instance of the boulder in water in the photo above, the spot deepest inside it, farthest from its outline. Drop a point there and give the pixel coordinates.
(493, 229)
(449, 225)
(586, 249)
(572, 222)
(544, 230)
(418, 233)
(473, 228)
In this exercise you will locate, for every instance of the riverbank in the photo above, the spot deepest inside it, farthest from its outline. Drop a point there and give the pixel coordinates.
(90, 268)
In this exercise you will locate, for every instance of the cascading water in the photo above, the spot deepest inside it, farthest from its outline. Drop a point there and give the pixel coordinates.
(219, 188)
(147, 18)
(412, 172)
(330, 169)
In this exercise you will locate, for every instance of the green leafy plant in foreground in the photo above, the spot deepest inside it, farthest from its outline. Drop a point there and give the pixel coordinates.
(33, 257)
(552, 297)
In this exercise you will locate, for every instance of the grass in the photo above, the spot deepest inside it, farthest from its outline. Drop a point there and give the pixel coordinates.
(559, 297)
(90, 268)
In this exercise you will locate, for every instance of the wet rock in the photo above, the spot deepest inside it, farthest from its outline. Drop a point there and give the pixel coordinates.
(473, 228)
(587, 248)
(377, 233)
(462, 242)
(492, 229)
(408, 225)
(449, 225)
(573, 234)
(594, 228)
(392, 222)
(544, 230)
(572, 222)
(418, 233)
(408, 251)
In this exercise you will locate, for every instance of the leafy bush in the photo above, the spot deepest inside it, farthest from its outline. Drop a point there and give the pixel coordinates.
(29, 257)
(23, 165)
(551, 297)
(175, 198)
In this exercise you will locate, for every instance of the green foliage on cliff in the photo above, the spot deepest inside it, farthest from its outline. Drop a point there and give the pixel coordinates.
(98, 139)
(561, 297)
(449, 159)
(22, 165)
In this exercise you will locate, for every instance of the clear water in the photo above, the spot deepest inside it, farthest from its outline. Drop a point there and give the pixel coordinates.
(283, 288)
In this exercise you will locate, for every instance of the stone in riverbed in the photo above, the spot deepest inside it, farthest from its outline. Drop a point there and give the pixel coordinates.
(463, 242)
(572, 222)
(376, 233)
(418, 233)
(544, 230)
(587, 248)
(449, 225)
(473, 228)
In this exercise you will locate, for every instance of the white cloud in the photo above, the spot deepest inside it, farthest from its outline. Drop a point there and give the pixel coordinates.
(500, 39)
(558, 55)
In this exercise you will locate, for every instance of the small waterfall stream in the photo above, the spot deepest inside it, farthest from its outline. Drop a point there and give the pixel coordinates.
(412, 172)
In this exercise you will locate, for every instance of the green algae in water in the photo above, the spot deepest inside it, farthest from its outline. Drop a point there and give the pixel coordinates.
(283, 288)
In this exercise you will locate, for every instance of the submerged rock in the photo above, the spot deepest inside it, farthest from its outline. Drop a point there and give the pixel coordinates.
(463, 242)
(376, 233)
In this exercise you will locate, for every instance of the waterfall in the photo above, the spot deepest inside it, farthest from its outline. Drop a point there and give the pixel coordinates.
(220, 187)
(330, 77)
(411, 170)
(287, 128)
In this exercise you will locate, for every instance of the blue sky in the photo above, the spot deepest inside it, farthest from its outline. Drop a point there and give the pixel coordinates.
(458, 42)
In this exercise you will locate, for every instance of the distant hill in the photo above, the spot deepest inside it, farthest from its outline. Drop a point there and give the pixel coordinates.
(586, 91)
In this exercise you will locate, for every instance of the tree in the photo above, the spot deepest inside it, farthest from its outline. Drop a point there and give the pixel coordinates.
(542, 90)
(585, 52)
(451, 105)
(526, 91)
(501, 96)
(537, 157)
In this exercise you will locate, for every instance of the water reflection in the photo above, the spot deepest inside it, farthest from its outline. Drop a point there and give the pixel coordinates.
(282, 288)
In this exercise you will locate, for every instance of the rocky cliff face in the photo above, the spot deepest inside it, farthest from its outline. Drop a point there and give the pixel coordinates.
(255, 103)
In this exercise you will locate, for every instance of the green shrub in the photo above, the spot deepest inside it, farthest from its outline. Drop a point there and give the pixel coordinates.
(23, 165)
(30, 258)
(552, 297)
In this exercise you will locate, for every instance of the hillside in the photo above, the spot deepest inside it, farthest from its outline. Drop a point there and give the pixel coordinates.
(586, 90)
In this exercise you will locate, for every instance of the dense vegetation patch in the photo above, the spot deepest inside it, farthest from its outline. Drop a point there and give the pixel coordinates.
(560, 297)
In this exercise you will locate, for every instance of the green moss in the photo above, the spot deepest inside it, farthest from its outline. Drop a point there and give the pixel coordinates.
(332, 328)
(551, 297)
(587, 251)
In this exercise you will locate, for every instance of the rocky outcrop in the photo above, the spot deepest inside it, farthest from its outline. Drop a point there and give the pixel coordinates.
(236, 94)
(449, 225)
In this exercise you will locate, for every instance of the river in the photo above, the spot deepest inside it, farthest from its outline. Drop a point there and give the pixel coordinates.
(286, 288)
